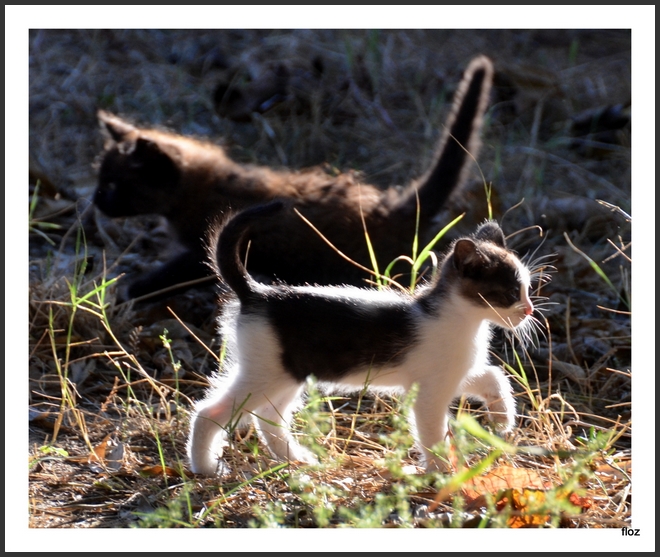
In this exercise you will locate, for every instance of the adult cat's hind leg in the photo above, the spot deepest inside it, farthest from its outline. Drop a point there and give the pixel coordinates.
(491, 385)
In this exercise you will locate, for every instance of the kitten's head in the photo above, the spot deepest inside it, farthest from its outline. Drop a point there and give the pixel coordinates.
(491, 277)
(137, 175)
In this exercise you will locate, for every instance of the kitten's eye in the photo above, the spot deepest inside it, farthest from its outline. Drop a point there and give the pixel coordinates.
(512, 294)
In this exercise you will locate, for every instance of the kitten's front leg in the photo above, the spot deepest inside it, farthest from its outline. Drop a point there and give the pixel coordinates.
(491, 385)
(431, 426)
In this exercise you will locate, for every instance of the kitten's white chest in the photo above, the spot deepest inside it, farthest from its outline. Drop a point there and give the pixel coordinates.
(451, 346)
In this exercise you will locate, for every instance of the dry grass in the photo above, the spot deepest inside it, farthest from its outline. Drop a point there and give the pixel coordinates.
(109, 404)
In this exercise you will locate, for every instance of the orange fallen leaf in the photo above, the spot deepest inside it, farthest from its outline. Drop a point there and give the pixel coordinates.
(519, 490)
(158, 470)
(512, 487)
(497, 480)
(98, 452)
(520, 503)
(583, 503)
(503, 478)
(617, 472)
(107, 455)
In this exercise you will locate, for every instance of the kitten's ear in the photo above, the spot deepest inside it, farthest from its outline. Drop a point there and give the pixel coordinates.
(119, 130)
(490, 231)
(465, 253)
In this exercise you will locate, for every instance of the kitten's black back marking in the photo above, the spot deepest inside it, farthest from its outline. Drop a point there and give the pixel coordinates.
(377, 335)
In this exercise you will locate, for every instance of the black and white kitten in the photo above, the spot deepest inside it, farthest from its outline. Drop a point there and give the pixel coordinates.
(349, 337)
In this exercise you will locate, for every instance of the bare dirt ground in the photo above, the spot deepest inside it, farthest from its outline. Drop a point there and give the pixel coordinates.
(556, 144)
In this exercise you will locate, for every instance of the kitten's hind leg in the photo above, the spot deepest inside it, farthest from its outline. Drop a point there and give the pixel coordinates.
(226, 406)
(273, 423)
(491, 385)
(207, 436)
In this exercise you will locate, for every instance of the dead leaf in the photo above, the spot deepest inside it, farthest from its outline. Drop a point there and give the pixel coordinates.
(158, 470)
(618, 471)
(503, 478)
(583, 503)
(519, 490)
(107, 456)
(521, 502)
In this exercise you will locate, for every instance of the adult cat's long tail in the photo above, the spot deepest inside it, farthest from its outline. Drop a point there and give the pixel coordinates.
(232, 246)
(461, 136)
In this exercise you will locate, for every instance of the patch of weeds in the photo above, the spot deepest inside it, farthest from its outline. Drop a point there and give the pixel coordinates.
(38, 226)
(176, 513)
(322, 496)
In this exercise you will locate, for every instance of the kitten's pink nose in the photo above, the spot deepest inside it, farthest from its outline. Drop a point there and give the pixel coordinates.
(524, 298)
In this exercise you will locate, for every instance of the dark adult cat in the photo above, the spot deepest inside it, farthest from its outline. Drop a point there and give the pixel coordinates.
(194, 184)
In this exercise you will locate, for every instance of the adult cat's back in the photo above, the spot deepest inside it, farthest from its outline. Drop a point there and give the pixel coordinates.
(195, 183)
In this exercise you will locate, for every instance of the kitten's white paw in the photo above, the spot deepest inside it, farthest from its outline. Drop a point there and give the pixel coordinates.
(207, 461)
(437, 464)
(501, 422)
(209, 467)
(502, 415)
(301, 454)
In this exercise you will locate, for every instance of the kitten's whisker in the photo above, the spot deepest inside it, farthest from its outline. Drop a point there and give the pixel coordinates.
(538, 262)
(530, 337)
(540, 270)
(530, 258)
(541, 299)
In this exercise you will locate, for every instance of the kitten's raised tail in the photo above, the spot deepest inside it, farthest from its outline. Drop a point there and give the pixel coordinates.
(231, 246)
(459, 144)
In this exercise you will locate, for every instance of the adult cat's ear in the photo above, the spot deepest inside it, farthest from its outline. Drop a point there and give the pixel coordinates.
(490, 231)
(158, 160)
(147, 150)
(148, 157)
(119, 130)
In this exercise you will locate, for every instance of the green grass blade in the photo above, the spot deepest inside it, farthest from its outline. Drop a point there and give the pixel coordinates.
(388, 269)
(424, 255)
(372, 258)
